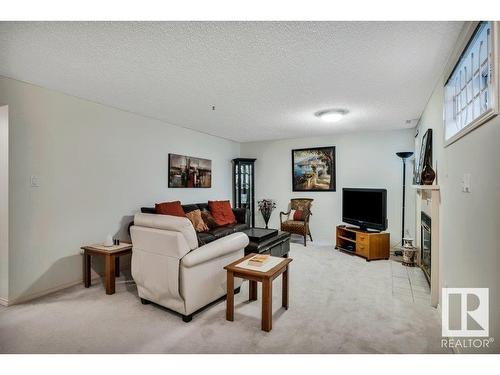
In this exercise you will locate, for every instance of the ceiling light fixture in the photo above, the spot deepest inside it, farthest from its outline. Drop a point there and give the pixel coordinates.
(331, 115)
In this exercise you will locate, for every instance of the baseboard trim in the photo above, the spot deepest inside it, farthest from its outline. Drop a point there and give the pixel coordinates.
(29, 297)
(321, 243)
(45, 292)
(42, 293)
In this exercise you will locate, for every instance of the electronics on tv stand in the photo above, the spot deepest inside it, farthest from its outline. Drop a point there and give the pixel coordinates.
(349, 247)
(363, 228)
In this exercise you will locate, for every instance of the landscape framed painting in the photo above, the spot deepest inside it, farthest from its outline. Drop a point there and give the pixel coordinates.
(189, 172)
(313, 169)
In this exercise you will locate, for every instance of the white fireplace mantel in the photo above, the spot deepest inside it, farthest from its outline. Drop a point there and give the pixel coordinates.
(426, 187)
(427, 201)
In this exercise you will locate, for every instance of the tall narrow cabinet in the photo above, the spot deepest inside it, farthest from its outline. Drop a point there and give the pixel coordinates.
(244, 186)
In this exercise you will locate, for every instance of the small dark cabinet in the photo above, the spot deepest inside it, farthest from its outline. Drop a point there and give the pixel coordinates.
(244, 186)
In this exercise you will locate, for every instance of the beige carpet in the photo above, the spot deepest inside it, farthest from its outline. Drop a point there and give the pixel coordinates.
(338, 304)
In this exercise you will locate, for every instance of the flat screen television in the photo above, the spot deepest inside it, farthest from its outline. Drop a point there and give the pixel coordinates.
(366, 208)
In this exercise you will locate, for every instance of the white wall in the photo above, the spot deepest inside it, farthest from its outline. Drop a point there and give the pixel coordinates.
(469, 222)
(4, 204)
(363, 160)
(97, 166)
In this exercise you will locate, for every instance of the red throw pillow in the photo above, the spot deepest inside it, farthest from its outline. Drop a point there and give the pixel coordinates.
(170, 208)
(222, 212)
(297, 215)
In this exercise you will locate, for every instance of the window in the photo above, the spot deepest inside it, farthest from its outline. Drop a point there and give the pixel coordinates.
(470, 92)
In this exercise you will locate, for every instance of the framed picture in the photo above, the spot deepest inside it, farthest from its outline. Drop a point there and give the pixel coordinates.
(189, 172)
(425, 155)
(313, 169)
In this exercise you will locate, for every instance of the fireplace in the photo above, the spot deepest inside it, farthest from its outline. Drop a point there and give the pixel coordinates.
(425, 241)
(427, 208)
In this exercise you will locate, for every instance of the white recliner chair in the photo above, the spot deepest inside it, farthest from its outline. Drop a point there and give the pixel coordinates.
(172, 271)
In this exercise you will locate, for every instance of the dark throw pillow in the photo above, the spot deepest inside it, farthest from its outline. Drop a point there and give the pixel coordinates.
(208, 219)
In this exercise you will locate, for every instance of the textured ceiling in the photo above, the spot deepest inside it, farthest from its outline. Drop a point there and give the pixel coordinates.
(266, 79)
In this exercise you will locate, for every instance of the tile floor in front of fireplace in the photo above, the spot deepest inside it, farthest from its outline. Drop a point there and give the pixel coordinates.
(409, 284)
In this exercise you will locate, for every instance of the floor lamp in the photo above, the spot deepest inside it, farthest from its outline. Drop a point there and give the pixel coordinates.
(403, 156)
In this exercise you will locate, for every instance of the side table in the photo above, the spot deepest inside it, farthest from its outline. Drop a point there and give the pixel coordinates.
(111, 256)
(266, 277)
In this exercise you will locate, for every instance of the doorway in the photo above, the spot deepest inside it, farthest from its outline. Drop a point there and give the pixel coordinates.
(4, 204)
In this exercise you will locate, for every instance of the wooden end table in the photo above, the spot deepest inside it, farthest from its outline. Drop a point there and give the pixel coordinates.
(112, 262)
(253, 276)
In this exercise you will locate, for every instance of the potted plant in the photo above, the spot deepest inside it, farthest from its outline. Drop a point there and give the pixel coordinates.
(266, 207)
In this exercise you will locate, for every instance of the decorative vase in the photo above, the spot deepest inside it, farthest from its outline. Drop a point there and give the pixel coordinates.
(408, 243)
(266, 216)
(409, 257)
(428, 175)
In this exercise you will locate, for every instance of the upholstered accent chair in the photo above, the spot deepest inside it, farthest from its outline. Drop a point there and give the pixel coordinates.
(301, 226)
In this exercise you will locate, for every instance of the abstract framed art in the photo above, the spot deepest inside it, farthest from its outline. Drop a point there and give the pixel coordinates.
(189, 172)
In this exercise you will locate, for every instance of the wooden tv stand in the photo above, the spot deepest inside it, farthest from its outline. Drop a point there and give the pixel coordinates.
(369, 245)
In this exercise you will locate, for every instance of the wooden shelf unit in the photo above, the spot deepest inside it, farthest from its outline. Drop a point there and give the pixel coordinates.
(369, 245)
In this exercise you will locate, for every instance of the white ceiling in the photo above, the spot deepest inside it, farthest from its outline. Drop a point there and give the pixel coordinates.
(266, 79)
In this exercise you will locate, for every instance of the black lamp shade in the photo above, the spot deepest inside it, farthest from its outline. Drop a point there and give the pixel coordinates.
(404, 155)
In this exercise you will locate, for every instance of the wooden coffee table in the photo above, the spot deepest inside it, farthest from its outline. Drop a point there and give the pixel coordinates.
(111, 256)
(254, 276)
